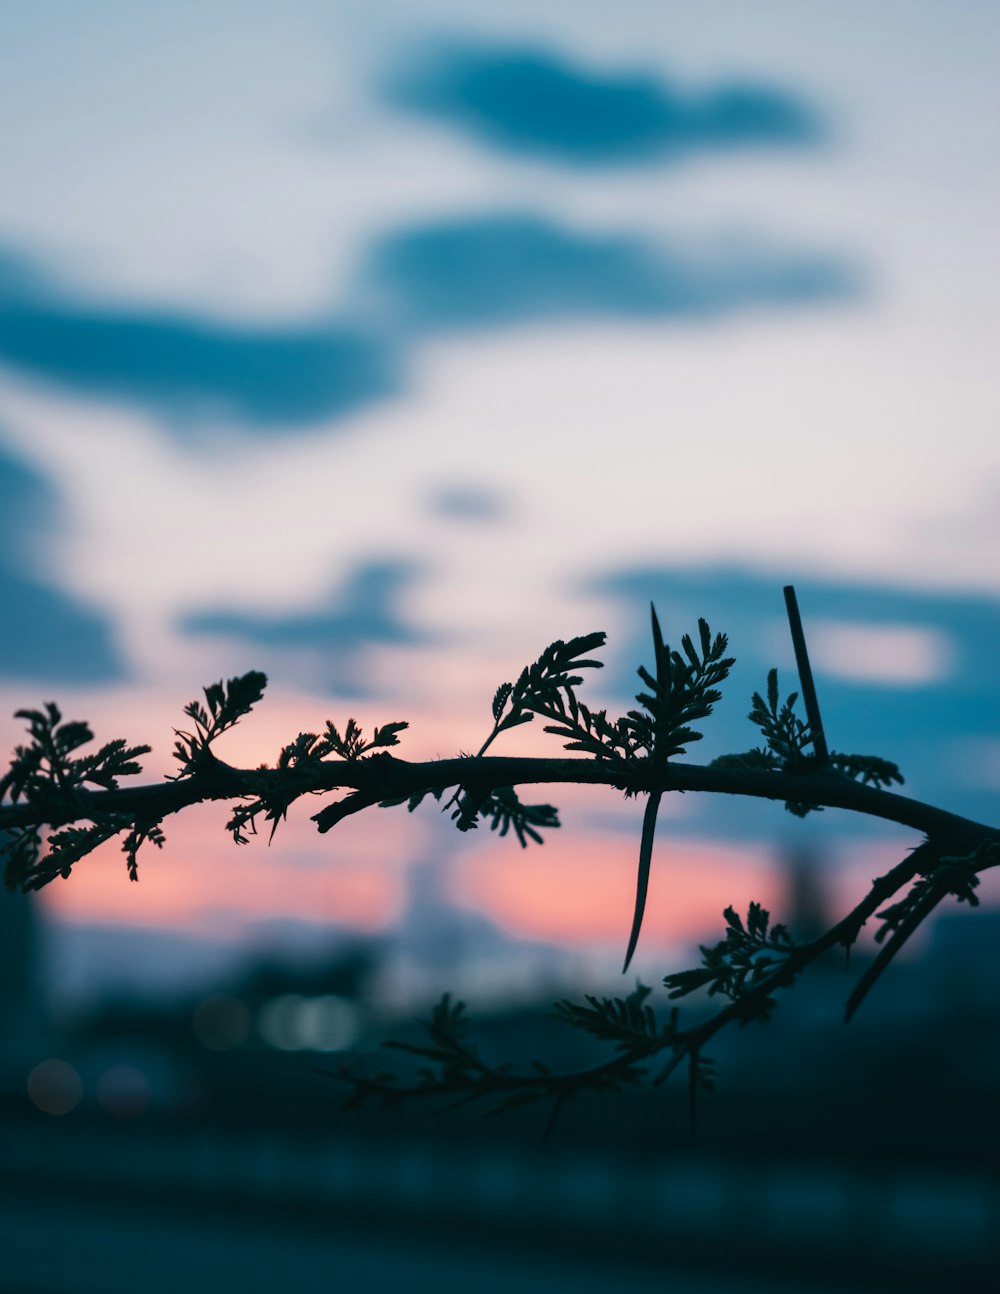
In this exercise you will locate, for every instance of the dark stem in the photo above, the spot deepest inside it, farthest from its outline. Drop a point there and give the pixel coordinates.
(642, 880)
(388, 778)
(805, 676)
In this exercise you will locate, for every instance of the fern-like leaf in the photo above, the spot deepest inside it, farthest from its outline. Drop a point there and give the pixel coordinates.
(682, 690)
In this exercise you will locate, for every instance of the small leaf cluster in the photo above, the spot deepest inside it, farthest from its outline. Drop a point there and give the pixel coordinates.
(454, 1068)
(591, 731)
(545, 687)
(225, 704)
(65, 847)
(789, 748)
(500, 806)
(353, 745)
(869, 770)
(682, 690)
(787, 736)
(447, 1045)
(450, 1066)
(628, 1022)
(70, 844)
(42, 770)
(308, 748)
(48, 774)
(938, 875)
(299, 762)
(141, 832)
(506, 812)
(749, 954)
(954, 874)
(447, 1048)
(787, 739)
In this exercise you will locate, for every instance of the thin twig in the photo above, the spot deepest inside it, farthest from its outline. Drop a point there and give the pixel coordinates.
(805, 677)
(642, 880)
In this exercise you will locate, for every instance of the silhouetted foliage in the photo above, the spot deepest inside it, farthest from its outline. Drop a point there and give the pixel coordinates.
(58, 806)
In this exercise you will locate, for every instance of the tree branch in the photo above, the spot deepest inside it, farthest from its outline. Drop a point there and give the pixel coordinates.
(385, 777)
(48, 789)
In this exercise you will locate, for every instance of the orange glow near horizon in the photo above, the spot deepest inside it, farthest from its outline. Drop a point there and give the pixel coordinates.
(576, 889)
(201, 878)
(581, 890)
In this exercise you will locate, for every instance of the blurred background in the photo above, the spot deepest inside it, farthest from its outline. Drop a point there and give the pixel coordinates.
(377, 346)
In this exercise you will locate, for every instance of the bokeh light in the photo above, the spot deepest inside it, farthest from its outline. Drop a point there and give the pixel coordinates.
(55, 1086)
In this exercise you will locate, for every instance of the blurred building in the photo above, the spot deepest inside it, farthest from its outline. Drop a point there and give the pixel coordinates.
(24, 1018)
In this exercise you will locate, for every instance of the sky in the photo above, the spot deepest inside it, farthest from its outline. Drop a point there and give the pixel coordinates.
(378, 346)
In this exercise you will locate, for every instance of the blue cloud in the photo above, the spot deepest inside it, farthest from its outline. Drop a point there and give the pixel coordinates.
(908, 725)
(48, 634)
(28, 507)
(366, 614)
(493, 270)
(467, 503)
(526, 100)
(505, 269)
(184, 366)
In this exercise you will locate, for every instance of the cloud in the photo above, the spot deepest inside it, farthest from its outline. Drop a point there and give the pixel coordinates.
(529, 101)
(899, 655)
(467, 503)
(48, 634)
(335, 639)
(504, 269)
(185, 366)
(51, 636)
(497, 269)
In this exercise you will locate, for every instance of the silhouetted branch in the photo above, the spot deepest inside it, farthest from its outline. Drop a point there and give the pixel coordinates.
(57, 806)
(387, 778)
